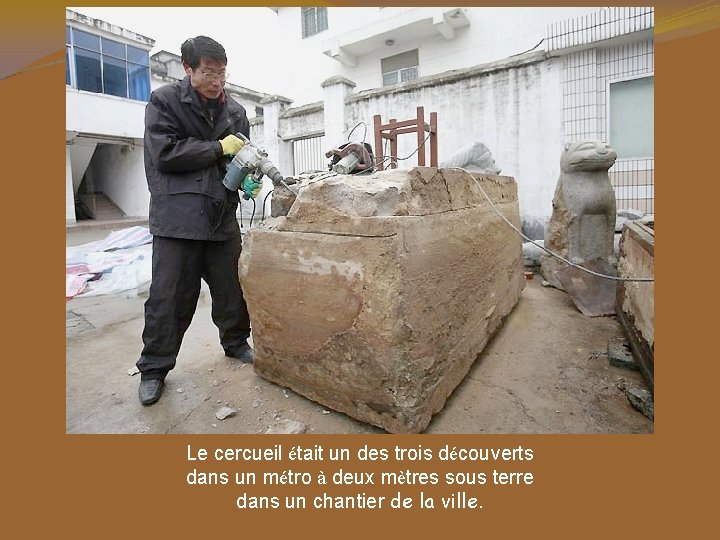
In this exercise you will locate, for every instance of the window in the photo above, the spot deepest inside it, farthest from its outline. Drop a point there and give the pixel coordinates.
(114, 76)
(400, 68)
(314, 20)
(87, 70)
(67, 55)
(632, 118)
(138, 73)
(106, 66)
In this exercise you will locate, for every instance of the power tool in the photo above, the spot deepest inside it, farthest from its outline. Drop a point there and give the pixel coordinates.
(248, 166)
(351, 158)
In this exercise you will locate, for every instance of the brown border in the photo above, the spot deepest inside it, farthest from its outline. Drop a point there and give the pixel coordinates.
(586, 486)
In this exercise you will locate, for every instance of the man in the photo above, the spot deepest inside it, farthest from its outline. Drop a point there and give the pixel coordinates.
(190, 136)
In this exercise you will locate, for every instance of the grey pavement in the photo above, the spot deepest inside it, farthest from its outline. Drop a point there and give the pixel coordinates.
(545, 371)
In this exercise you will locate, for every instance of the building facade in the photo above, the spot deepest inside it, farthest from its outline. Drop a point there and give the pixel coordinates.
(380, 46)
(107, 80)
(524, 81)
(109, 76)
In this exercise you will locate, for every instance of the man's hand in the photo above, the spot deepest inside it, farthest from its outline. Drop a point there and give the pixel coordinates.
(231, 145)
(250, 187)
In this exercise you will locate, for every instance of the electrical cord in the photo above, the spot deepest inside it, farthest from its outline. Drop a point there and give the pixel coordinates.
(356, 126)
(492, 205)
(264, 203)
(296, 193)
(396, 159)
(563, 259)
(529, 50)
(252, 216)
(387, 158)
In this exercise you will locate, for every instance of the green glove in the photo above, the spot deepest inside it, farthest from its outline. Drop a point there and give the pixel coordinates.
(231, 145)
(250, 187)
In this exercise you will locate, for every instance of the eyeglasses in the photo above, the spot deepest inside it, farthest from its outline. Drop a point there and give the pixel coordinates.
(214, 76)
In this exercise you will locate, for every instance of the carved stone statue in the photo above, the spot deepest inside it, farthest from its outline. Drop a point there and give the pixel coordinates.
(582, 225)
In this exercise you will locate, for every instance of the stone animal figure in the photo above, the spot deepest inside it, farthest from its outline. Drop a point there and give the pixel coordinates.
(583, 220)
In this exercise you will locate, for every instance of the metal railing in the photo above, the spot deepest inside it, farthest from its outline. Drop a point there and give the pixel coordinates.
(309, 154)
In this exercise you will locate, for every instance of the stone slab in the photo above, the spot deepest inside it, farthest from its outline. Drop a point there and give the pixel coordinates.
(594, 296)
(636, 300)
(619, 355)
(375, 295)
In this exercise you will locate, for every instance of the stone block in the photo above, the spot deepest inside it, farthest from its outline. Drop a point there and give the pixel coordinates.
(619, 355)
(636, 300)
(375, 294)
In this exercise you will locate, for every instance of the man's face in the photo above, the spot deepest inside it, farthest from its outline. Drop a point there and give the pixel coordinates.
(208, 78)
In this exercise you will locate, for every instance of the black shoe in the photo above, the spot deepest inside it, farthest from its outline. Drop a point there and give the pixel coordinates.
(150, 390)
(243, 352)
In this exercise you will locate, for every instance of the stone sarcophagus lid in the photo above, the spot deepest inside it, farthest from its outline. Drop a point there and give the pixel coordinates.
(375, 294)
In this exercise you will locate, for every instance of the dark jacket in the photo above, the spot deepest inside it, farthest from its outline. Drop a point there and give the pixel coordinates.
(184, 164)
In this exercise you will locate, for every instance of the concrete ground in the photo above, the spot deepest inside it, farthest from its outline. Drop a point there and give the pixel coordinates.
(545, 371)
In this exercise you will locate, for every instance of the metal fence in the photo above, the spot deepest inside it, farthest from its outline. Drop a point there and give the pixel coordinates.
(634, 184)
(603, 24)
(586, 78)
(309, 155)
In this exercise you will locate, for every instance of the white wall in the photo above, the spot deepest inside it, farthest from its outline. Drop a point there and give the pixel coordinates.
(80, 153)
(293, 125)
(257, 131)
(493, 34)
(247, 104)
(106, 118)
(118, 171)
(87, 112)
(176, 69)
(69, 193)
(516, 112)
(156, 83)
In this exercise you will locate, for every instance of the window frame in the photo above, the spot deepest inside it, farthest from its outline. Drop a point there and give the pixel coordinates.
(303, 26)
(399, 71)
(71, 47)
(118, 63)
(86, 53)
(608, 117)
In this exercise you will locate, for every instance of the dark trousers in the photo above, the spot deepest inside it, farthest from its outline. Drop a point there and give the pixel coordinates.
(178, 265)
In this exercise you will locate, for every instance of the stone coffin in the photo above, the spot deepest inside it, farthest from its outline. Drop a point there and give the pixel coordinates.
(375, 294)
(636, 300)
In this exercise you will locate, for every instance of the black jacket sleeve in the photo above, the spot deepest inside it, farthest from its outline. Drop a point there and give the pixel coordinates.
(169, 149)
